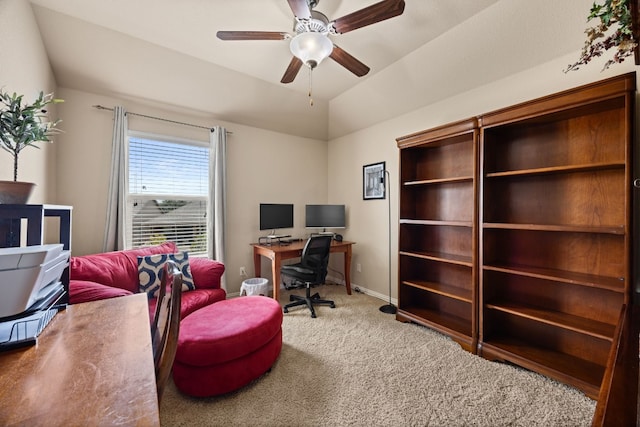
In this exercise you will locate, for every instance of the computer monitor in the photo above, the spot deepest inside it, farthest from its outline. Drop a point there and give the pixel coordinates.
(274, 216)
(325, 216)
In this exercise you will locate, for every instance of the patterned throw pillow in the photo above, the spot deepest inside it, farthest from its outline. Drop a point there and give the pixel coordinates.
(150, 271)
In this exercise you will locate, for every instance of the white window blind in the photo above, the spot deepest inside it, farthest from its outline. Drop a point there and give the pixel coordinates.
(168, 193)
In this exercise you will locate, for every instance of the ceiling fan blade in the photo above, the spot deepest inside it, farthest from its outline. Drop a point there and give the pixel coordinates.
(292, 70)
(251, 35)
(300, 8)
(348, 61)
(369, 15)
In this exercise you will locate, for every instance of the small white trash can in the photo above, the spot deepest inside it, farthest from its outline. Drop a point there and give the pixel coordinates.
(255, 286)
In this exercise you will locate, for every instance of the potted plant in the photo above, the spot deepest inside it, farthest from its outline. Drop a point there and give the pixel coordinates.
(615, 30)
(22, 125)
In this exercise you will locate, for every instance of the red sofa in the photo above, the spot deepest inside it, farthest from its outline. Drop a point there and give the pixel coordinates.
(114, 274)
(243, 345)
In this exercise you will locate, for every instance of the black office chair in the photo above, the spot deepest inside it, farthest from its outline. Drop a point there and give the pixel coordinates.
(311, 270)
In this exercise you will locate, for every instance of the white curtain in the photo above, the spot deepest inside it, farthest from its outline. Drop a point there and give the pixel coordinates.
(114, 236)
(218, 197)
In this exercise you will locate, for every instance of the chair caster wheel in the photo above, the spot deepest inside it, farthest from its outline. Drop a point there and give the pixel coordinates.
(332, 306)
(291, 298)
(286, 310)
(313, 315)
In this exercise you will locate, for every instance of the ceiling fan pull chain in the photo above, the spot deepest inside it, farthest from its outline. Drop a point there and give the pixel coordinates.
(310, 86)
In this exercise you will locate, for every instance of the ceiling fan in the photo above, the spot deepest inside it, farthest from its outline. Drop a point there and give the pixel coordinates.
(311, 44)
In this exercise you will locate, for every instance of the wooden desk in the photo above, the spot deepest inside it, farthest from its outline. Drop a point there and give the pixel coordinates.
(276, 253)
(92, 365)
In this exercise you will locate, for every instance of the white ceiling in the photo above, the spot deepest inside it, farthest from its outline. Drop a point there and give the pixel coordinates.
(166, 51)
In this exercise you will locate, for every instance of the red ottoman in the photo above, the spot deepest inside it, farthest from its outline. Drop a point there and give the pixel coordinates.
(226, 345)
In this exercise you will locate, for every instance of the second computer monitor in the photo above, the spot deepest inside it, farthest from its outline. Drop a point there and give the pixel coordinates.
(325, 216)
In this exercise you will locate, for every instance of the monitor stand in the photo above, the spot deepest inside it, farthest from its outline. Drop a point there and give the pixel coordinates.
(323, 233)
(278, 236)
(273, 239)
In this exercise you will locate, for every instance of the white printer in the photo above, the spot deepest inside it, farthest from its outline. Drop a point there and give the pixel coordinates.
(27, 273)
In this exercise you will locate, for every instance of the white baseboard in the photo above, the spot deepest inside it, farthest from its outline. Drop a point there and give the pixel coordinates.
(362, 289)
(340, 281)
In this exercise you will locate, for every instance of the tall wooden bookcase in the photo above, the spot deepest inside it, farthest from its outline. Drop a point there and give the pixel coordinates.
(556, 230)
(438, 230)
(552, 206)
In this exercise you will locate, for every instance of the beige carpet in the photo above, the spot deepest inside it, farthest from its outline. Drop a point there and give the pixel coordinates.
(356, 366)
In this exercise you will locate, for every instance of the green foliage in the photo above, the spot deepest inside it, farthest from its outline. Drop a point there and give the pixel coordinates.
(199, 243)
(157, 239)
(24, 124)
(614, 30)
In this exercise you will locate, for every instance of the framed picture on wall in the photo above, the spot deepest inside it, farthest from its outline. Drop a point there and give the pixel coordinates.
(373, 181)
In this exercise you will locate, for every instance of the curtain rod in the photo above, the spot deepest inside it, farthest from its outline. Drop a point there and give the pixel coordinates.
(100, 107)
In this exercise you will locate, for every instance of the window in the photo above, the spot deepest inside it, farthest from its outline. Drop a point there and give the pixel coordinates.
(168, 192)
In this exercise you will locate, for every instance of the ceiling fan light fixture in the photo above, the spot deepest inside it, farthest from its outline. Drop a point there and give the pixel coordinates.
(311, 48)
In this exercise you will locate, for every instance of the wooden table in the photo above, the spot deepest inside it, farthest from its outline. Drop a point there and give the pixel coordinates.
(278, 252)
(92, 365)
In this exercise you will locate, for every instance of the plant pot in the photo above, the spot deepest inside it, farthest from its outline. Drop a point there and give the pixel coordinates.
(15, 192)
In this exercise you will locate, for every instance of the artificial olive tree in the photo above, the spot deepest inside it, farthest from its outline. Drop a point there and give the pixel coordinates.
(24, 124)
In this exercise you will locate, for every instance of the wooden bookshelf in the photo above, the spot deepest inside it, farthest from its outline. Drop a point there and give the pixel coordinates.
(438, 231)
(515, 230)
(555, 178)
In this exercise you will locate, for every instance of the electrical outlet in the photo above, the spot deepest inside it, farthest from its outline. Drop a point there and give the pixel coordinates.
(359, 267)
(243, 272)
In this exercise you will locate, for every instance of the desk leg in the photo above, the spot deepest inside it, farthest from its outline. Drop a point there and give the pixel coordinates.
(275, 273)
(257, 267)
(275, 269)
(347, 269)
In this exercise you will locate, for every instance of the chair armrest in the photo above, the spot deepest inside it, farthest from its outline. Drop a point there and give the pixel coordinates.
(206, 272)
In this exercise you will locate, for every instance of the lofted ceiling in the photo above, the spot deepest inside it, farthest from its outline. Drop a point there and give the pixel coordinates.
(166, 51)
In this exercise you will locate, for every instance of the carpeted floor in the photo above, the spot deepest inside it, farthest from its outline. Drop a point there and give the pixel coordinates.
(356, 366)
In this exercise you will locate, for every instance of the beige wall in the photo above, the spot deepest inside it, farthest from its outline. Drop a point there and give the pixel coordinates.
(368, 219)
(24, 69)
(263, 166)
